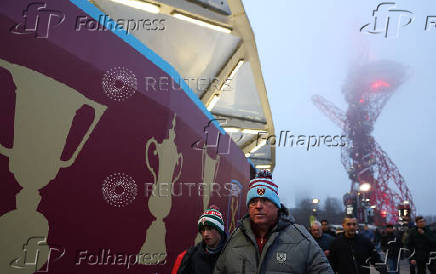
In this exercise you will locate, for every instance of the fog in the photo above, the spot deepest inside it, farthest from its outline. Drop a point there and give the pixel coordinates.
(307, 48)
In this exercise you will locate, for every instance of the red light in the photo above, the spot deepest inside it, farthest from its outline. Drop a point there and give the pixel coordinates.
(361, 101)
(384, 213)
(379, 84)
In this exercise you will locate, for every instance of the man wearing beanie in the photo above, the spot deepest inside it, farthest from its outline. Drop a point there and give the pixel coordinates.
(201, 258)
(267, 240)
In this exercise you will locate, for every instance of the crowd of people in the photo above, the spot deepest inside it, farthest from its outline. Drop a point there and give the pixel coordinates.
(267, 240)
(352, 252)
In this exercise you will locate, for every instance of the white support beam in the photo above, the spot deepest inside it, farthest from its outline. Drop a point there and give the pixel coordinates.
(222, 76)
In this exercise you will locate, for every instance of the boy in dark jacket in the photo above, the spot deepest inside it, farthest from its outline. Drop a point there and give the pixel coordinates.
(201, 258)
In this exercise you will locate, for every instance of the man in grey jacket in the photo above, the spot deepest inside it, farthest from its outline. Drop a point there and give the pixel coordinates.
(267, 241)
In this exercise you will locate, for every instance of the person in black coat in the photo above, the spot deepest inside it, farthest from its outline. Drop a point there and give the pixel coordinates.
(326, 228)
(421, 241)
(405, 229)
(391, 244)
(352, 253)
(324, 240)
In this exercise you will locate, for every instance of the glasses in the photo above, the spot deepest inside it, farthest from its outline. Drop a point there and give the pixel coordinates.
(351, 224)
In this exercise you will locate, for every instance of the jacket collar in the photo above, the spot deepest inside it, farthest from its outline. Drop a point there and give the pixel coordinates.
(218, 249)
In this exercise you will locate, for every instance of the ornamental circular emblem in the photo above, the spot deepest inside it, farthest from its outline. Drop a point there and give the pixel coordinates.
(119, 83)
(281, 257)
(261, 191)
(119, 189)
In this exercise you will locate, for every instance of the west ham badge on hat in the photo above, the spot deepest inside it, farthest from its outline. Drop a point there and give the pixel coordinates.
(260, 191)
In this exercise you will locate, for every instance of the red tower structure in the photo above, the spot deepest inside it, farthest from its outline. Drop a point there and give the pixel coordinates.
(366, 90)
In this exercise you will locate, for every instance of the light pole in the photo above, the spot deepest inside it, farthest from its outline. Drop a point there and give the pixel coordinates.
(364, 202)
(315, 203)
(404, 210)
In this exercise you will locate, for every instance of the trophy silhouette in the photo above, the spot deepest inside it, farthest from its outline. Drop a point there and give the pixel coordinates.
(233, 205)
(209, 172)
(44, 112)
(160, 205)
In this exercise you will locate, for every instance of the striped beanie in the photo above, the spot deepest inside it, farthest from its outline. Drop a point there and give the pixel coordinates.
(212, 217)
(263, 186)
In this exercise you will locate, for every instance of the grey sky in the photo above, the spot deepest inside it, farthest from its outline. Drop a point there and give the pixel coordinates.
(306, 48)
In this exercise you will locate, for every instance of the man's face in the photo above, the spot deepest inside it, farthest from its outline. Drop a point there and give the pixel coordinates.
(262, 212)
(325, 226)
(420, 223)
(350, 226)
(316, 231)
(210, 235)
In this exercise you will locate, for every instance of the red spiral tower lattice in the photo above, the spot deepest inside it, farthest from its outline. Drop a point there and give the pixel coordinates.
(366, 90)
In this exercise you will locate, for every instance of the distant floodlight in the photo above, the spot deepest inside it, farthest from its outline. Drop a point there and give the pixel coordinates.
(365, 187)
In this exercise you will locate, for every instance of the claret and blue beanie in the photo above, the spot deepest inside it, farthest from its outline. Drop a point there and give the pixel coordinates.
(213, 218)
(264, 187)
